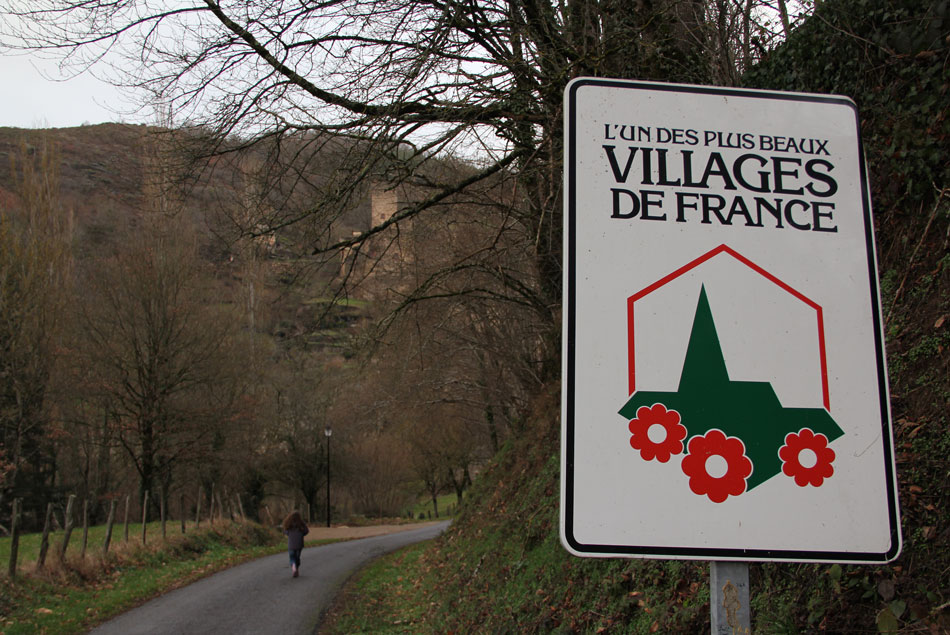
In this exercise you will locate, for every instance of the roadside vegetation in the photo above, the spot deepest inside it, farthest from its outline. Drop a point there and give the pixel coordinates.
(74, 595)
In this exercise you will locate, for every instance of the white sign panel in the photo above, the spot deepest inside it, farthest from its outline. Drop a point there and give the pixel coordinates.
(725, 390)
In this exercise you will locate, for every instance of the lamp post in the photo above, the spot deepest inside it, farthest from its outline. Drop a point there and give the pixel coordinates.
(328, 431)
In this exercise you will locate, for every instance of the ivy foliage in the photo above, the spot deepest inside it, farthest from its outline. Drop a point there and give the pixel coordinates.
(892, 57)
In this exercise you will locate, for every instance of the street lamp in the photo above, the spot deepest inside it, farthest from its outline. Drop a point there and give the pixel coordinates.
(328, 431)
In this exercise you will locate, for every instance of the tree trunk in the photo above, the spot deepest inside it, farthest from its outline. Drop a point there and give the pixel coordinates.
(783, 14)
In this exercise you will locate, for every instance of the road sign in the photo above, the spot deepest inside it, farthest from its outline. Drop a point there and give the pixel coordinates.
(725, 389)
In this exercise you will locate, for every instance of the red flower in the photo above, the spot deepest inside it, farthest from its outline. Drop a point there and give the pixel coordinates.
(665, 429)
(717, 466)
(807, 457)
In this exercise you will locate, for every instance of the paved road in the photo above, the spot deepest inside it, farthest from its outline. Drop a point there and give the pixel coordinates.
(261, 596)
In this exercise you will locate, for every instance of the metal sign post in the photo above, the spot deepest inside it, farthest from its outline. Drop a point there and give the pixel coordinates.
(729, 598)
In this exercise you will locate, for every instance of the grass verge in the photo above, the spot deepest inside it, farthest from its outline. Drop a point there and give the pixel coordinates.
(75, 595)
(384, 598)
(425, 510)
(29, 546)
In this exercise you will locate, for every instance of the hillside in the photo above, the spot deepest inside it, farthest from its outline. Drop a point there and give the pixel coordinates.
(213, 256)
(103, 174)
(131, 214)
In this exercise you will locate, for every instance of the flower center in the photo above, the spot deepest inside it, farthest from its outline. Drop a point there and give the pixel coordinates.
(807, 458)
(656, 433)
(716, 465)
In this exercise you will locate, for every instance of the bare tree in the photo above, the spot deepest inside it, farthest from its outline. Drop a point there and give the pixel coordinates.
(161, 351)
(379, 481)
(294, 439)
(35, 266)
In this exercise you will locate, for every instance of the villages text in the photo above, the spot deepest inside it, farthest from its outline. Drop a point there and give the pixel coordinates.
(752, 189)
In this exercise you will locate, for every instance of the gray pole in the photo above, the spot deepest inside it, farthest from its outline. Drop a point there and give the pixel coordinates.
(729, 598)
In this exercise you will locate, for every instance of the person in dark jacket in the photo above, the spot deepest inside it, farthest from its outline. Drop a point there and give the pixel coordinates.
(295, 529)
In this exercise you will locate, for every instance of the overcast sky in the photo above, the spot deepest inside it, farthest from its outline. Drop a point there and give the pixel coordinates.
(31, 100)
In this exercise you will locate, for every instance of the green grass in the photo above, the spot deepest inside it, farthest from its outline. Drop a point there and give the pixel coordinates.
(29, 545)
(385, 600)
(72, 597)
(423, 509)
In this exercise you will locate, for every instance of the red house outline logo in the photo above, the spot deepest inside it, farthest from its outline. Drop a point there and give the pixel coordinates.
(709, 255)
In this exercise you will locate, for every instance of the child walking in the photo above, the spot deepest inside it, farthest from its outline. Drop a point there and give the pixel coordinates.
(295, 529)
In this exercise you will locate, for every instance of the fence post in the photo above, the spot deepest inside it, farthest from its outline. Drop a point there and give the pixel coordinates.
(127, 518)
(44, 541)
(14, 537)
(105, 545)
(68, 528)
(85, 528)
(144, 515)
